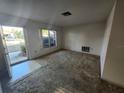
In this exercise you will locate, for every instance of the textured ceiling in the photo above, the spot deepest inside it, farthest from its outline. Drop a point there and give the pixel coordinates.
(49, 11)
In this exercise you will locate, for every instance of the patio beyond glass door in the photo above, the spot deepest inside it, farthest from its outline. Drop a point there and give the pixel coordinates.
(15, 44)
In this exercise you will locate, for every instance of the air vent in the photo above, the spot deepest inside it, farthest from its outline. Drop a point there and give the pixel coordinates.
(86, 48)
(66, 13)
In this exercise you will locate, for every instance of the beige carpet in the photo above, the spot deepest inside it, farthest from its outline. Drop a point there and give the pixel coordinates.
(66, 72)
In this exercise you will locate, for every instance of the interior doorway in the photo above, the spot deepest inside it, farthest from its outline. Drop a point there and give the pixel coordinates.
(15, 44)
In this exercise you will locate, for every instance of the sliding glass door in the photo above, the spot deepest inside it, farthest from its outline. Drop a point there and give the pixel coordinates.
(15, 43)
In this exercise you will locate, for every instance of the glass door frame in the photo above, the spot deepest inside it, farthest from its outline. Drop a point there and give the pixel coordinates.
(25, 43)
(5, 52)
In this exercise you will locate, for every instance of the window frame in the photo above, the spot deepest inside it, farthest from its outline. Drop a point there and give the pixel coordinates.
(41, 37)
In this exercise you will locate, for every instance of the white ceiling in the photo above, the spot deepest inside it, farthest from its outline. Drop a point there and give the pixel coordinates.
(49, 11)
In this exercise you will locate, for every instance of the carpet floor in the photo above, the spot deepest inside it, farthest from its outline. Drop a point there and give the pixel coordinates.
(65, 72)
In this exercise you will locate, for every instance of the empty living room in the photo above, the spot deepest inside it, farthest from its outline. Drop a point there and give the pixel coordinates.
(61, 46)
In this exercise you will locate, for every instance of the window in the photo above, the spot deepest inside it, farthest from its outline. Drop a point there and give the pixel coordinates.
(48, 38)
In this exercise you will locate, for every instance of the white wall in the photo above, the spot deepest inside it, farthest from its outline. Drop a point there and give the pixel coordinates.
(84, 35)
(106, 39)
(9, 20)
(114, 62)
(34, 42)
